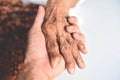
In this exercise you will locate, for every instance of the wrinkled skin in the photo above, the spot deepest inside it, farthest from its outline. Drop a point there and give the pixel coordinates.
(36, 65)
(58, 41)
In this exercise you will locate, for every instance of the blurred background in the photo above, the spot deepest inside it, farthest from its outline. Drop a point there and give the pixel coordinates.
(99, 20)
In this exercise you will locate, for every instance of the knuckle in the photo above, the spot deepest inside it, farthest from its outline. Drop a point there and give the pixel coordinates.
(70, 64)
(78, 58)
(52, 47)
(65, 47)
(73, 45)
(70, 40)
(49, 28)
(51, 44)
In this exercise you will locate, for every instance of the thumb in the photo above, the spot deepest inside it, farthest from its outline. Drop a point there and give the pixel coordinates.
(36, 40)
(40, 17)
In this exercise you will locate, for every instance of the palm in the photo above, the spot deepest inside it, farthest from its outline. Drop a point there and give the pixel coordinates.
(37, 59)
(51, 72)
(37, 41)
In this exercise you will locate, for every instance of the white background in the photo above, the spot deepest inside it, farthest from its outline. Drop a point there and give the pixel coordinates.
(101, 26)
(100, 22)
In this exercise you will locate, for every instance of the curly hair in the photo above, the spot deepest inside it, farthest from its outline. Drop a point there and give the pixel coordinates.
(15, 21)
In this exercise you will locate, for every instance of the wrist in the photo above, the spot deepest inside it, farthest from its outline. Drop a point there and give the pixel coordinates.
(56, 9)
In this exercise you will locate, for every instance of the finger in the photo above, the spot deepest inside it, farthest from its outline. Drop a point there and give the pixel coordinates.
(72, 20)
(79, 36)
(73, 29)
(79, 60)
(82, 47)
(53, 51)
(69, 60)
(39, 18)
(35, 36)
(77, 56)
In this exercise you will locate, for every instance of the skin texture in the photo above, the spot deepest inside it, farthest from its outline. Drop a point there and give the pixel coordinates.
(58, 41)
(36, 65)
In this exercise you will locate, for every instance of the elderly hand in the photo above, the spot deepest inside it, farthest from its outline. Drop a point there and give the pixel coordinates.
(36, 65)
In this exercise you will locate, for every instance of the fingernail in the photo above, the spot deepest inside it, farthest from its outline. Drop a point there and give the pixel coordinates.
(85, 51)
(56, 62)
(55, 65)
(82, 65)
(77, 36)
(72, 71)
(82, 47)
(70, 28)
(39, 7)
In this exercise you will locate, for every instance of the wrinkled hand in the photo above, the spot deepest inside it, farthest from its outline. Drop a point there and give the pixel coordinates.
(58, 41)
(36, 64)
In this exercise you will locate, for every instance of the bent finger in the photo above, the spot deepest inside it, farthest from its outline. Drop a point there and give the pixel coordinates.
(78, 57)
(53, 51)
(66, 53)
(73, 29)
(72, 20)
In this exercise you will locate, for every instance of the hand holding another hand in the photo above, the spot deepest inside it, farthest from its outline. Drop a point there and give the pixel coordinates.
(37, 65)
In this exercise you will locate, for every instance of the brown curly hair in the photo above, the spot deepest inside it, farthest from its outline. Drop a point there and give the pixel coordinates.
(15, 21)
